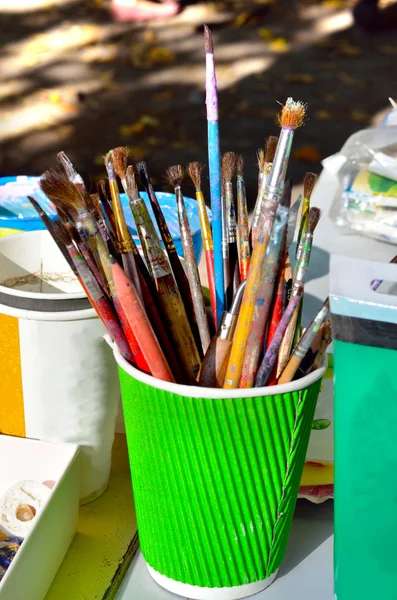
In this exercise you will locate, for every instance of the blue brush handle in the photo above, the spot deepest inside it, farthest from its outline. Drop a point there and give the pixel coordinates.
(214, 161)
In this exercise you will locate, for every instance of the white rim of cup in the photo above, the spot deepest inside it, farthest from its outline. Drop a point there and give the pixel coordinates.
(195, 391)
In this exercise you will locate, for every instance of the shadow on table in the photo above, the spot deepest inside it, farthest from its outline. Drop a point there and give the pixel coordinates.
(304, 538)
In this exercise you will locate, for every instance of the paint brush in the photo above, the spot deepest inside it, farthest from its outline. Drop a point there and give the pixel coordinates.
(301, 270)
(168, 294)
(213, 368)
(194, 170)
(264, 295)
(308, 184)
(304, 344)
(268, 363)
(265, 162)
(70, 171)
(230, 260)
(307, 362)
(175, 176)
(123, 236)
(70, 199)
(100, 303)
(104, 198)
(140, 324)
(176, 265)
(159, 268)
(325, 342)
(64, 193)
(52, 230)
(292, 117)
(243, 234)
(214, 162)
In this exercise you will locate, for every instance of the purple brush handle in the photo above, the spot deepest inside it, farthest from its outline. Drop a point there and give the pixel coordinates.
(270, 357)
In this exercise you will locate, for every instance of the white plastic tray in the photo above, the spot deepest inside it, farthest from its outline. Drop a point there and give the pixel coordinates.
(38, 559)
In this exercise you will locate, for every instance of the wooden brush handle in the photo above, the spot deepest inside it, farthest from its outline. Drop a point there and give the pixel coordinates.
(209, 261)
(214, 365)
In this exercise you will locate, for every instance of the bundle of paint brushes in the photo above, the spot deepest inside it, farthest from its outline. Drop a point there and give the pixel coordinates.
(152, 305)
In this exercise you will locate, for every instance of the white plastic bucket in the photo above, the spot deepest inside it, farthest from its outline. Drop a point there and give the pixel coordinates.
(58, 379)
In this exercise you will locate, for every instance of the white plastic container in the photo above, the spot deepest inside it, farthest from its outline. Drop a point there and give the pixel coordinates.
(57, 373)
(42, 551)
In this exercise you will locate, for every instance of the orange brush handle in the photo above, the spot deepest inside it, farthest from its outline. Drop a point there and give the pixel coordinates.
(137, 318)
(209, 261)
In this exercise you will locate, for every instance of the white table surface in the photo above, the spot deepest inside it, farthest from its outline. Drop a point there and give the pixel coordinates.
(307, 570)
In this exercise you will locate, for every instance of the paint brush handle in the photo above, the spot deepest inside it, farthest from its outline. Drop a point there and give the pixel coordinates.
(269, 360)
(192, 272)
(287, 343)
(130, 269)
(136, 316)
(209, 261)
(138, 357)
(102, 306)
(214, 365)
(179, 273)
(304, 344)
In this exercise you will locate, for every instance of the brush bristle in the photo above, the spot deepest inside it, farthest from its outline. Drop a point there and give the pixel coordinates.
(132, 186)
(62, 232)
(292, 115)
(313, 219)
(308, 184)
(120, 160)
(240, 166)
(102, 190)
(64, 194)
(228, 166)
(287, 193)
(260, 155)
(208, 43)
(143, 172)
(66, 163)
(194, 171)
(175, 175)
(270, 148)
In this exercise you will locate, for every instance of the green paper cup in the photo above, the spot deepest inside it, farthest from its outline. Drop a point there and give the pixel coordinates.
(216, 476)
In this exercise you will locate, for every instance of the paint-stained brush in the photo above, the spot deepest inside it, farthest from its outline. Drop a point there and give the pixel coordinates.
(99, 301)
(243, 237)
(292, 117)
(214, 162)
(140, 324)
(265, 162)
(194, 170)
(213, 368)
(159, 303)
(229, 265)
(167, 292)
(304, 344)
(265, 292)
(175, 176)
(301, 270)
(176, 265)
(123, 236)
(308, 184)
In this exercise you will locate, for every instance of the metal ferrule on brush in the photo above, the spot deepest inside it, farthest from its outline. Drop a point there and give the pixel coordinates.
(206, 228)
(230, 216)
(275, 180)
(229, 319)
(123, 235)
(303, 259)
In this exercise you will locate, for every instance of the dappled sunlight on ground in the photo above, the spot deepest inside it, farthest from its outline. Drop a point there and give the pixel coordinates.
(73, 79)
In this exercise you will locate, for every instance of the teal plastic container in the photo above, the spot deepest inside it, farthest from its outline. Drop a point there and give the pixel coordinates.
(215, 476)
(365, 363)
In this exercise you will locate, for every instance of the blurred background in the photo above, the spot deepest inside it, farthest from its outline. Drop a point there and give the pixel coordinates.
(74, 79)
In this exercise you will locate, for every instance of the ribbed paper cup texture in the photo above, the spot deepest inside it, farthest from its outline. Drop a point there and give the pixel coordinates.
(215, 476)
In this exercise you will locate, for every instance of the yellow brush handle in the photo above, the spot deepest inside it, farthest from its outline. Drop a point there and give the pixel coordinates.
(236, 360)
(288, 374)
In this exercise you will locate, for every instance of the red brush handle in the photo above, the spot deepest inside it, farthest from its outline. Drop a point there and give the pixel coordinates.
(209, 260)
